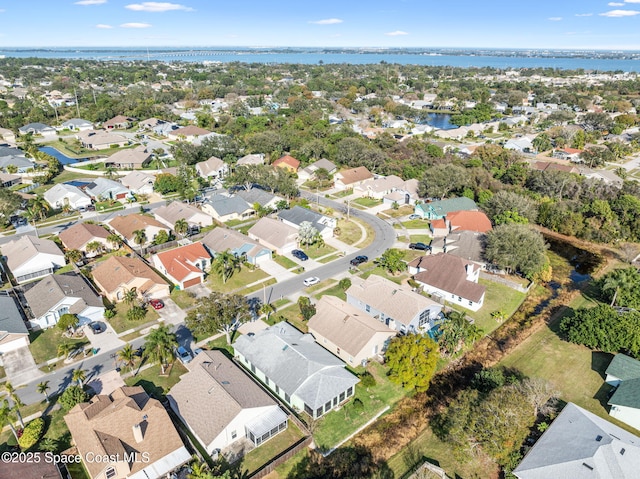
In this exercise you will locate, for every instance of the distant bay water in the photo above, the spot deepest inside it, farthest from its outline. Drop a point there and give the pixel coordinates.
(563, 60)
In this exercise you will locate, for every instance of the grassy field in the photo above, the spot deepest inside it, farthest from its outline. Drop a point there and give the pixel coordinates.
(368, 202)
(335, 290)
(351, 233)
(338, 425)
(416, 224)
(314, 252)
(274, 446)
(120, 323)
(402, 211)
(182, 298)
(284, 261)
(155, 384)
(497, 297)
(239, 280)
(44, 343)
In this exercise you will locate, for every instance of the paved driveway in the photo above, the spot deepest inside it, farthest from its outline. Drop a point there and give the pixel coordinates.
(171, 313)
(104, 341)
(19, 366)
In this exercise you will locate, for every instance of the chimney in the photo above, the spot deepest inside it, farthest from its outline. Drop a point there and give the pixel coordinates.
(138, 435)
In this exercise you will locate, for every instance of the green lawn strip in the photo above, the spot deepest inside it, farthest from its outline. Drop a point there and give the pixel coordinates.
(153, 383)
(316, 287)
(260, 456)
(402, 211)
(182, 298)
(291, 314)
(65, 269)
(411, 254)
(367, 202)
(279, 303)
(338, 425)
(258, 287)
(342, 194)
(44, 343)
(240, 279)
(497, 297)
(416, 224)
(284, 261)
(333, 291)
(221, 343)
(328, 259)
(120, 323)
(384, 273)
(3, 374)
(420, 239)
(130, 337)
(314, 252)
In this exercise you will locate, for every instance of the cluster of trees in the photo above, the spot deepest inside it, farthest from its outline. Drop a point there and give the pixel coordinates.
(411, 360)
(494, 416)
(218, 313)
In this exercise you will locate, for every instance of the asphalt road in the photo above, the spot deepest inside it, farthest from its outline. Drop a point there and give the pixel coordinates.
(104, 362)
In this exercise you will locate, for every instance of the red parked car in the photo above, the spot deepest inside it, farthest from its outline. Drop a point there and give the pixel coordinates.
(156, 303)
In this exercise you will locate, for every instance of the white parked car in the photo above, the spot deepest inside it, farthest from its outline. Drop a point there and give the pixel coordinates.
(311, 281)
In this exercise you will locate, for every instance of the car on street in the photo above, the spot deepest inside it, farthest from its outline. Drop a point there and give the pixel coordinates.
(419, 246)
(358, 260)
(311, 281)
(183, 355)
(96, 327)
(415, 217)
(156, 303)
(301, 255)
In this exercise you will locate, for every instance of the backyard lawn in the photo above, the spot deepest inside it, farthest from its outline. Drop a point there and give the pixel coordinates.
(44, 343)
(239, 280)
(120, 323)
(338, 425)
(153, 383)
(260, 456)
(497, 297)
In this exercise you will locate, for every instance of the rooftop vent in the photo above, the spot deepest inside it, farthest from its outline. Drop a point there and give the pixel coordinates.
(598, 438)
(622, 451)
(587, 466)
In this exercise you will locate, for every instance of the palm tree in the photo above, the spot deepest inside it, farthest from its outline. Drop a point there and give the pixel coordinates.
(17, 403)
(619, 279)
(110, 172)
(127, 355)
(40, 206)
(226, 264)
(73, 255)
(319, 241)
(64, 349)
(159, 346)
(43, 388)
(267, 309)
(79, 375)
(140, 238)
(114, 240)
(181, 227)
(7, 417)
(130, 296)
(94, 247)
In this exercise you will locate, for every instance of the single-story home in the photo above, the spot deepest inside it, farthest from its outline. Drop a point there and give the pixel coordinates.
(624, 373)
(77, 124)
(29, 257)
(275, 235)
(13, 331)
(351, 177)
(436, 210)
(253, 159)
(37, 129)
(569, 154)
(226, 239)
(450, 278)
(185, 266)
(406, 194)
(101, 140)
(348, 332)
(297, 215)
(458, 221)
(257, 195)
(553, 166)
(298, 370)
(7, 180)
(63, 194)
(395, 305)
(226, 208)
(126, 226)
(212, 168)
(119, 274)
(288, 163)
(176, 210)
(139, 182)
(22, 163)
(105, 189)
(379, 187)
(189, 133)
(131, 434)
(133, 158)
(59, 294)
(119, 122)
(221, 404)
(80, 235)
(309, 172)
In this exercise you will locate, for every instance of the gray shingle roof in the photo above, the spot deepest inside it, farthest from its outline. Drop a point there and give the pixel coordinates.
(296, 363)
(19, 161)
(10, 318)
(100, 186)
(10, 151)
(226, 205)
(623, 367)
(578, 445)
(627, 394)
(26, 247)
(53, 288)
(255, 195)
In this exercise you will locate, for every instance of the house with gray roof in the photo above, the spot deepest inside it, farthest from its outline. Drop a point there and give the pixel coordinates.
(394, 305)
(139, 182)
(59, 294)
(37, 129)
(301, 372)
(624, 373)
(253, 159)
(77, 124)
(223, 239)
(29, 257)
(222, 405)
(106, 189)
(62, 194)
(309, 172)
(437, 210)
(581, 445)
(22, 163)
(297, 215)
(13, 331)
(177, 210)
(275, 235)
(260, 196)
(213, 168)
(226, 208)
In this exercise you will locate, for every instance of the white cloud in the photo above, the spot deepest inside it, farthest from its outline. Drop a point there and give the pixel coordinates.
(631, 1)
(91, 2)
(615, 4)
(620, 13)
(135, 25)
(327, 21)
(157, 7)
(396, 33)
(554, 19)
(584, 14)
(103, 26)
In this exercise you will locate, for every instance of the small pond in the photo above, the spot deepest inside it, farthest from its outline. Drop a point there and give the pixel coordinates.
(64, 159)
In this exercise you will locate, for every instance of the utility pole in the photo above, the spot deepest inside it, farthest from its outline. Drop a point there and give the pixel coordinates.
(75, 92)
(348, 209)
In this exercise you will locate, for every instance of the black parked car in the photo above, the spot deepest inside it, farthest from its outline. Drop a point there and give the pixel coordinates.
(420, 246)
(358, 260)
(301, 255)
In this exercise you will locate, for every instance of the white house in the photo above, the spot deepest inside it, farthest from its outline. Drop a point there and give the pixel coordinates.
(177, 210)
(222, 405)
(13, 332)
(624, 373)
(77, 124)
(213, 168)
(29, 257)
(62, 194)
(297, 215)
(60, 294)
(139, 182)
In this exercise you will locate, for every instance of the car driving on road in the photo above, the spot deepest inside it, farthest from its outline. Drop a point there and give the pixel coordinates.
(311, 281)
(358, 260)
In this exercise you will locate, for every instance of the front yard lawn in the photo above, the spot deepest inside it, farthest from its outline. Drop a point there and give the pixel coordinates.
(314, 252)
(420, 239)
(44, 343)
(120, 323)
(384, 273)
(184, 299)
(260, 456)
(402, 211)
(351, 232)
(239, 280)
(284, 261)
(154, 384)
(333, 291)
(290, 314)
(368, 202)
(415, 224)
(338, 425)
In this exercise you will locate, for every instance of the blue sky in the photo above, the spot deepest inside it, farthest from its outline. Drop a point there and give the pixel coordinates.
(571, 24)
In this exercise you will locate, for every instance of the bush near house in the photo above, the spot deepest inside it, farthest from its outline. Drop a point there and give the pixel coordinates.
(31, 433)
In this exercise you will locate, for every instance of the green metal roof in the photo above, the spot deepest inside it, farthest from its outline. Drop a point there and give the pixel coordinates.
(623, 367)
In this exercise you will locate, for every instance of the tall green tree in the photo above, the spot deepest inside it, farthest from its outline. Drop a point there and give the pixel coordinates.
(9, 203)
(43, 388)
(516, 247)
(17, 402)
(79, 375)
(226, 264)
(127, 356)
(218, 313)
(181, 227)
(159, 346)
(411, 360)
(140, 238)
(392, 260)
(307, 234)
(7, 416)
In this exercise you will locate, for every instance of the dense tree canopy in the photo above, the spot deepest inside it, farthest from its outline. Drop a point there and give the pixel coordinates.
(411, 360)
(516, 247)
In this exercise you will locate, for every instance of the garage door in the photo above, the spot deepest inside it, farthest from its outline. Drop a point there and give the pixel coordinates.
(192, 282)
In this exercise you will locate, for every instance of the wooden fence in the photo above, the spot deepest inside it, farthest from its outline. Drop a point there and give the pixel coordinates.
(284, 456)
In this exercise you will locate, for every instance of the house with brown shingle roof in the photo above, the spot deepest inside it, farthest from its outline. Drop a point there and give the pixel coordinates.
(288, 163)
(81, 234)
(275, 235)
(29, 257)
(138, 182)
(212, 168)
(396, 305)
(185, 265)
(553, 166)
(189, 133)
(222, 239)
(126, 435)
(352, 177)
(450, 278)
(222, 405)
(126, 225)
(178, 210)
(349, 333)
(120, 122)
(135, 158)
(119, 274)
(100, 139)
